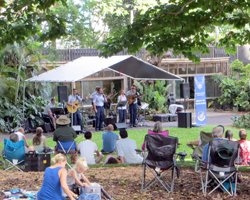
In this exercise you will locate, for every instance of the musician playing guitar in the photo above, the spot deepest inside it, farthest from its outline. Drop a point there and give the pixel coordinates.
(73, 103)
(132, 96)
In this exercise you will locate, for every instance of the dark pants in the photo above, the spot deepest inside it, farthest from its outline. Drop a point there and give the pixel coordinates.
(122, 115)
(99, 117)
(133, 113)
(77, 118)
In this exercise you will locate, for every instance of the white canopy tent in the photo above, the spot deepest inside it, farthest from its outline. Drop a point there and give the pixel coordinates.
(83, 67)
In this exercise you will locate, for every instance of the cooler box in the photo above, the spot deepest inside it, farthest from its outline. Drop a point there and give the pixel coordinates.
(36, 162)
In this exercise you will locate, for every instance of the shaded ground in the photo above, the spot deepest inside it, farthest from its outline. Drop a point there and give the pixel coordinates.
(123, 183)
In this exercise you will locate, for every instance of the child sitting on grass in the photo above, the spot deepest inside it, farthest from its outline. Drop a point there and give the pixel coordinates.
(80, 184)
(76, 175)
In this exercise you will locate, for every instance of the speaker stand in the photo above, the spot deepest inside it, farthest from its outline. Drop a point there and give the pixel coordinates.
(185, 104)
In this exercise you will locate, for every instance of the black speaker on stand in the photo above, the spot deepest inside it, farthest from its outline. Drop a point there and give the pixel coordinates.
(62, 94)
(185, 93)
(185, 90)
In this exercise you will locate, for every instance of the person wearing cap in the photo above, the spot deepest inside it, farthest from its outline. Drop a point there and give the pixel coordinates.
(63, 132)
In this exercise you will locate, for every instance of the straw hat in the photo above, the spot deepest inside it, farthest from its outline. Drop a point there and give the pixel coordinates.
(63, 120)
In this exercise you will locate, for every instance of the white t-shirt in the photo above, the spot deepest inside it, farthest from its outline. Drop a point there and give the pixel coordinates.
(122, 98)
(48, 108)
(126, 148)
(20, 135)
(87, 149)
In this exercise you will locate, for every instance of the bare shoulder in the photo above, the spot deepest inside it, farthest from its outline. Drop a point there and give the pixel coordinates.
(62, 171)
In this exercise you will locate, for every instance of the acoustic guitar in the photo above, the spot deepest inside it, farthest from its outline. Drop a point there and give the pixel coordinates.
(73, 108)
(132, 98)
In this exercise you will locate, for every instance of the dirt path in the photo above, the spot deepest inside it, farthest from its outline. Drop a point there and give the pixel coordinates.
(123, 183)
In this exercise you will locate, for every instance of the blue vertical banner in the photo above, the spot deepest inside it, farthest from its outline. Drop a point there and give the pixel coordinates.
(200, 100)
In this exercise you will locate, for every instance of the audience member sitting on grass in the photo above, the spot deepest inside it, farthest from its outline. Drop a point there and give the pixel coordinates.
(195, 143)
(39, 141)
(217, 134)
(229, 135)
(88, 149)
(55, 180)
(66, 136)
(157, 130)
(126, 149)
(109, 139)
(244, 148)
(76, 175)
(112, 160)
(63, 132)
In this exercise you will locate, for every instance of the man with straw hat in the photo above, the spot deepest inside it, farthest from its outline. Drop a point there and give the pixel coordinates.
(65, 135)
(63, 132)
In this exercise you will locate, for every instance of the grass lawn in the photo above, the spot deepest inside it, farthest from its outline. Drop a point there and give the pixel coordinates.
(185, 135)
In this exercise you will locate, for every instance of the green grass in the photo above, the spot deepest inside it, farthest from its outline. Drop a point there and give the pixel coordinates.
(184, 135)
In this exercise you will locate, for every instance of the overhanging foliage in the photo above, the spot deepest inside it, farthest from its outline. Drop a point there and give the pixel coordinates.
(184, 26)
(20, 19)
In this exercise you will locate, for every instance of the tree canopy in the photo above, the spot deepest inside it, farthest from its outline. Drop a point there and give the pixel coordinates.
(20, 19)
(184, 26)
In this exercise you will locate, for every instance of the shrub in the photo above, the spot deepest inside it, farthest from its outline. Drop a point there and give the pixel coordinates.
(242, 121)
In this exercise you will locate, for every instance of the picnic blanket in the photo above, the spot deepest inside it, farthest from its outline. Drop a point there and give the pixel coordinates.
(20, 194)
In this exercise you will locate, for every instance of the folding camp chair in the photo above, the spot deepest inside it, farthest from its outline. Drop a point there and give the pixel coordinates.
(159, 158)
(13, 154)
(220, 168)
(205, 138)
(67, 148)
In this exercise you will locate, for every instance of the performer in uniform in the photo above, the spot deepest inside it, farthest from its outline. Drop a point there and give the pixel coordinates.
(98, 105)
(73, 101)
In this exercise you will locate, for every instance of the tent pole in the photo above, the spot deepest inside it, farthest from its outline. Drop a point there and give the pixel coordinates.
(24, 85)
(72, 87)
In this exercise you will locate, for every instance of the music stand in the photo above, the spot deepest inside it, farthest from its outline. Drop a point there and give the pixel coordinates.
(57, 111)
(121, 103)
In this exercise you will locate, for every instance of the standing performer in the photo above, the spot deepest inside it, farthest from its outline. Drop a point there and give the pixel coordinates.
(132, 96)
(121, 106)
(73, 105)
(98, 105)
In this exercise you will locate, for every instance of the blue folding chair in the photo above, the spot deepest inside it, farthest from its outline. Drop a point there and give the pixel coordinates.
(67, 148)
(13, 154)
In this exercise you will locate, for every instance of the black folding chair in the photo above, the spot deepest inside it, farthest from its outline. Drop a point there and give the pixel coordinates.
(205, 138)
(220, 168)
(159, 158)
